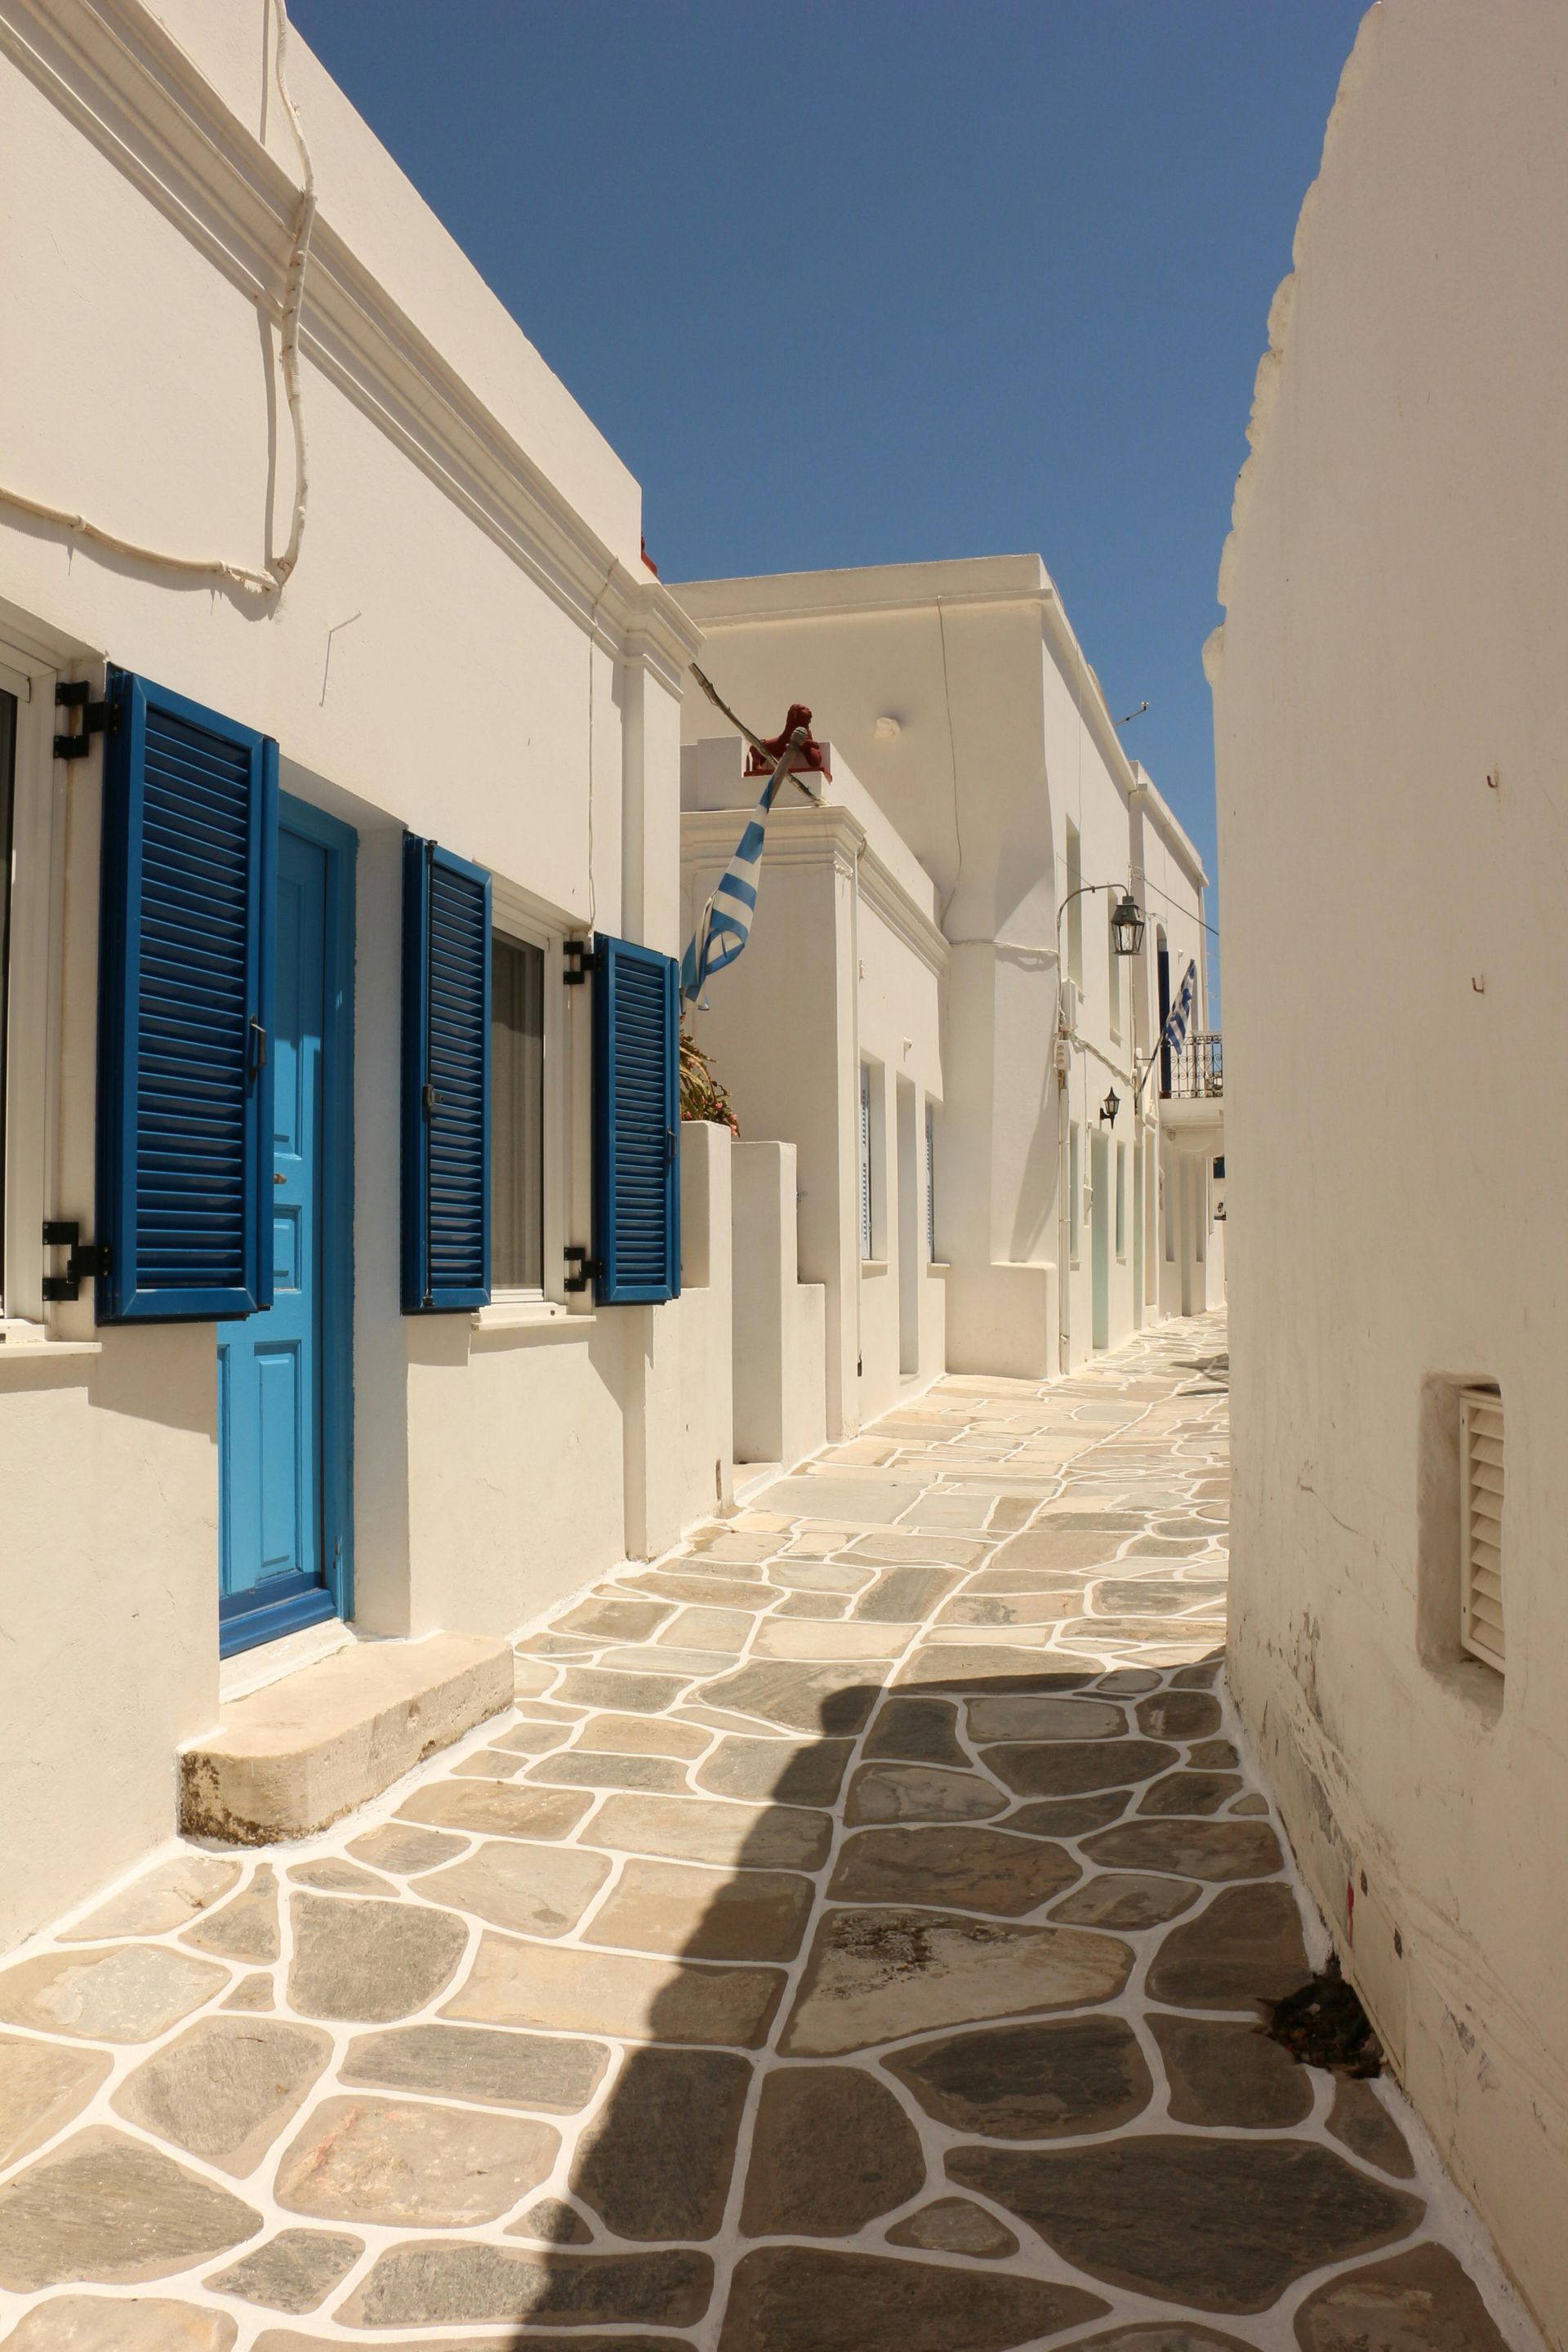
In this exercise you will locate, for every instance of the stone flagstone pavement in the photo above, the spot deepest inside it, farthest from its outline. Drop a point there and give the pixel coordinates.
(851, 1943)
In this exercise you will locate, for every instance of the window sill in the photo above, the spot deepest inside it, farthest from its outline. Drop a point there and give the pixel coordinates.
(537, 1318)
(29, 1343)
(873, 1266)
(939, 1266)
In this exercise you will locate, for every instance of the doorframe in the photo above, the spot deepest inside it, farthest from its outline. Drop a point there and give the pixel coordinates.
(249, 1631)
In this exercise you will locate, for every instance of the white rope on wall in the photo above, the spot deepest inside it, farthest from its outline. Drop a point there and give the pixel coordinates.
(270, 581)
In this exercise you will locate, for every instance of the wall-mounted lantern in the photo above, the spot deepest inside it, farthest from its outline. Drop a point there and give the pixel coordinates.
(1127, 922)
(1109, 1106)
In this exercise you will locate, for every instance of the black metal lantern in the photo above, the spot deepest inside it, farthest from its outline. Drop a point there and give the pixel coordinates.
(1127, 922)
(1109, 1106)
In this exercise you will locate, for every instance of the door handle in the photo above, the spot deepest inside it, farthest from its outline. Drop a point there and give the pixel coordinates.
(257, 1048)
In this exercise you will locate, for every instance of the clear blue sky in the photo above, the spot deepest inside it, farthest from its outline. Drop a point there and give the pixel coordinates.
(855, 281)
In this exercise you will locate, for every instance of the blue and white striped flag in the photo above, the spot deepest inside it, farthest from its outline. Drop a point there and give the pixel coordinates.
(725, 924)
(1175, 1030)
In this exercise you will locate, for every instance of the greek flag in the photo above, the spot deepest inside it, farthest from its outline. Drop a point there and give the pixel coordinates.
(725, 924)
(1175, 1031)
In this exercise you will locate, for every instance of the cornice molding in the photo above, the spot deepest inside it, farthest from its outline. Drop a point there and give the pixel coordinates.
(846, 607)
(828, 835)
(116, 74)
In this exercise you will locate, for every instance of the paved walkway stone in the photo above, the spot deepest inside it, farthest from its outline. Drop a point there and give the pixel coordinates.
(295, 2270)
(128, 1994)
(226, 2088)
(832, 2149)
(1418, 2301)
(954, 2226)
(877, 1975)
(1362, 2123)
(1045, 2081)
(1230, 2075)
(405, 2162)
(549, 2072)
(109, 2208)
(853, 1941)
(580, 1992)
(669, 1907)
(971, 1869)
(472, 2282)
(798, 2299)
(1224, 2224)
(539, 1890)
(165, 1897)
(96, 2323)
(246, 1928)
(42, 2085)
(370, 1960)
(656, 2162)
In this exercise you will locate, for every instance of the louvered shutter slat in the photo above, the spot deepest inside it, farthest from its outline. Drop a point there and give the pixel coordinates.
(1481, 1476)
(636, 1124)
(446, 1043)
(184, 1098)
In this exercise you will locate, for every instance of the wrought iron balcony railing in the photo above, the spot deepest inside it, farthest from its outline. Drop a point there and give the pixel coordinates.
(1194, 1070)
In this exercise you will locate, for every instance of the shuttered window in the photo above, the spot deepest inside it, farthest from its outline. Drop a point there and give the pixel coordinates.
(636, 1124)
(445, 1081)
(1481, 1491)
(931, 1182)
(190, 830)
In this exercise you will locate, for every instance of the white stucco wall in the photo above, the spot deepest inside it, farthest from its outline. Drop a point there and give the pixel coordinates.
(469, 646)
(1390, 797)
(973, 722)
(779, 1347)
(843, 964)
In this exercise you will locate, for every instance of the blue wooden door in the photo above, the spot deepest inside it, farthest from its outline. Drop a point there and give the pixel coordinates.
(279, 1550)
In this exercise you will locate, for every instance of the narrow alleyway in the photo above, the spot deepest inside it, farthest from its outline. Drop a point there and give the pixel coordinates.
(850, 1944)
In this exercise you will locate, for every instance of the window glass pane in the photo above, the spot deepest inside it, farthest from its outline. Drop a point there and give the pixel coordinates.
(7, 781)
(517, 1115)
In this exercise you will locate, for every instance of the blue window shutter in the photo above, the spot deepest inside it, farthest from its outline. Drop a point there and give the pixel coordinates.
(636, 1124)
(190, 846)
(445, 1081)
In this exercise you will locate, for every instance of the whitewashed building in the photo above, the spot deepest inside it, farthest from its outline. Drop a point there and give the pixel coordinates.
(1394, 825)
(301, 1113)
(997, 1211)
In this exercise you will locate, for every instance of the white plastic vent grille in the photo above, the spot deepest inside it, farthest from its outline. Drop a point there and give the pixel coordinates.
(1482, 1490)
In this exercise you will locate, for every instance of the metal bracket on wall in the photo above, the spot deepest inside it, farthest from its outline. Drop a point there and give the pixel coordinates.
(88, 1261)
(580, 961)
(97, 718)
(588, 1270)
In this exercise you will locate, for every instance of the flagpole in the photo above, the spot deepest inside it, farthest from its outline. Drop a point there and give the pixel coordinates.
(795, 744)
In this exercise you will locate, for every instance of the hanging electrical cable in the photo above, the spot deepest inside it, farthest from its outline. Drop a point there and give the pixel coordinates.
(270, 581)
(293, 304)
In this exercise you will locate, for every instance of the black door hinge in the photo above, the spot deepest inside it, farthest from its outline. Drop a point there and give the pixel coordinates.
(97, 717)
(88, 1261)
(580, 961)
(588, 1270)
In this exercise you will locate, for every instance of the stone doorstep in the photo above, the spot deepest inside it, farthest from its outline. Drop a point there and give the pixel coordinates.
(297, 1755)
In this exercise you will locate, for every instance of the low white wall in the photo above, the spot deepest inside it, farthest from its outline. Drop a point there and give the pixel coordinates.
(779, 1376)
(707, 1315)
